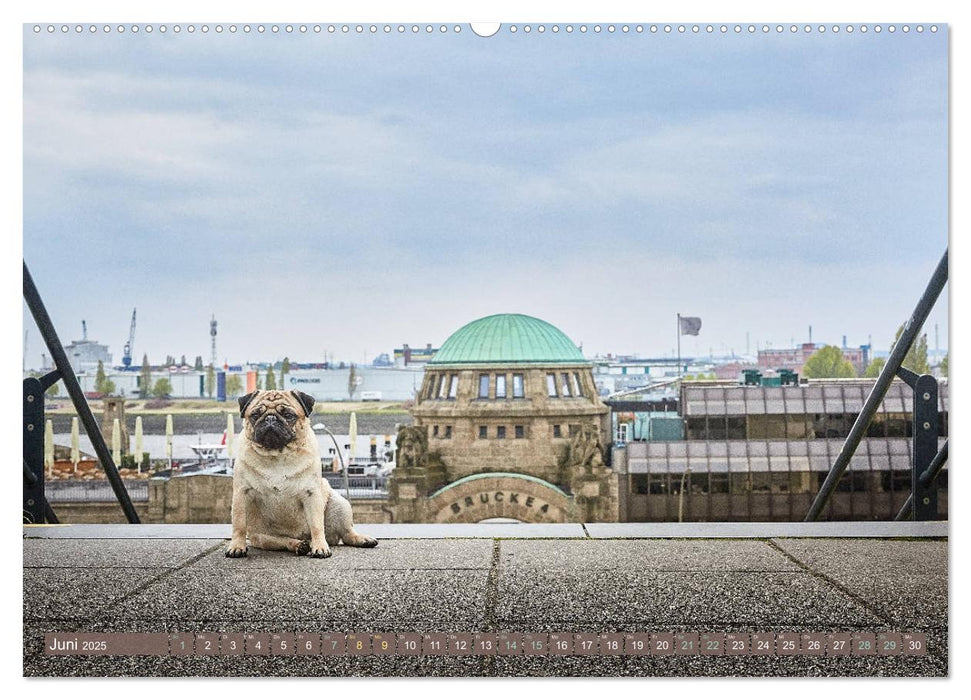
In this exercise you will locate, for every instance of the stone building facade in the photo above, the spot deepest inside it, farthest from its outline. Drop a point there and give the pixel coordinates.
(511, 397)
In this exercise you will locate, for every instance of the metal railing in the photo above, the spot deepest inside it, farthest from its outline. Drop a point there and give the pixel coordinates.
(36, 507)
(96, 491)
(926, 419)
(359, 486)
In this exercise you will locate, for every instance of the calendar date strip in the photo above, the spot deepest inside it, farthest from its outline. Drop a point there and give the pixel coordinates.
(488, 644)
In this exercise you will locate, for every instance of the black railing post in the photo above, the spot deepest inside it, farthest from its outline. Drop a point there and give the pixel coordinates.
(33, 451)
(46, 328)
(925, 447)
(887, 374)
(926, 479)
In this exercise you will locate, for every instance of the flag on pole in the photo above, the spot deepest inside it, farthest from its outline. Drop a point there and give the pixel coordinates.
(690, 325)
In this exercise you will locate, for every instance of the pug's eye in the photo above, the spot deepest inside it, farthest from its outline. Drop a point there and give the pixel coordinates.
(257, 413)
(287, 414)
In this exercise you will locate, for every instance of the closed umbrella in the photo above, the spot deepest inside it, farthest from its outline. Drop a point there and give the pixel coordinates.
(49, 447)
(168, 438)
(116, 441)
(75, 444)
(138, 442)
(230, 435)
(353, 440)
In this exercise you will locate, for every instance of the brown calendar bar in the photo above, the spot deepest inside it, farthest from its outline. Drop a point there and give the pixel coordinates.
(674, 644)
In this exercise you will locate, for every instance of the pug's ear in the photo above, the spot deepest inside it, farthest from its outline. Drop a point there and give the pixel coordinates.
(244, 401)
(306, 400)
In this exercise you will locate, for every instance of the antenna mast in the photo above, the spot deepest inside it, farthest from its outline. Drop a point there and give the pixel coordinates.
(212, 333)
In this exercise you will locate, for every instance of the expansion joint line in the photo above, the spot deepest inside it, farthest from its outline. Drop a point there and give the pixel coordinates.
(165, 574)
(863, 603)
(490, 621)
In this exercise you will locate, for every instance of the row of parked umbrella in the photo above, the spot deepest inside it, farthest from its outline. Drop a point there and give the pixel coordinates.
(116, 441)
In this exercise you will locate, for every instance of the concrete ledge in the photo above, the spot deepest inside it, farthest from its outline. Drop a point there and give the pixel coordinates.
(526, 530)
(767, 530)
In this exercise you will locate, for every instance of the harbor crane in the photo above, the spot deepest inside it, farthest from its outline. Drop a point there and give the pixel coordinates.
(126, 358)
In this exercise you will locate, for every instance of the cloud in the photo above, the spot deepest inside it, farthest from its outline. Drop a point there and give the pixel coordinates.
(604, 188)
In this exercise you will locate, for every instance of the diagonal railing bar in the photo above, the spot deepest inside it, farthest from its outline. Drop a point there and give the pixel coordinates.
(928, 477)
(887, 374)
(63, 367)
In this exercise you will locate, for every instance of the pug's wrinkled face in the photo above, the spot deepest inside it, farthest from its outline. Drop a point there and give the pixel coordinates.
(272, 417)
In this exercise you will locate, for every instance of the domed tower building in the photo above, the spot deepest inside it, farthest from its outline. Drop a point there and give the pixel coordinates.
(507, 423)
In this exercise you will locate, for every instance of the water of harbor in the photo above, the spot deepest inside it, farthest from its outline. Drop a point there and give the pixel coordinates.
(208, 429)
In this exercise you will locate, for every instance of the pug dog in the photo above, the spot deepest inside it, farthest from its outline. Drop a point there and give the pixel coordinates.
(280, 499)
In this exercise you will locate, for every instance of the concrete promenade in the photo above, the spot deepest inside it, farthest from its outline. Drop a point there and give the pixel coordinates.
(574, 578)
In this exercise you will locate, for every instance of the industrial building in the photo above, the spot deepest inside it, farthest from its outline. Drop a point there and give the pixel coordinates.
(795, 358)
(752, 453)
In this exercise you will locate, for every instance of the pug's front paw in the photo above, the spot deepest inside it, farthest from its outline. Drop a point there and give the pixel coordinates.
(236, 550)
(319, 551)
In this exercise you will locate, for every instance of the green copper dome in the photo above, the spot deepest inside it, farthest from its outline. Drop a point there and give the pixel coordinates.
(507, 338)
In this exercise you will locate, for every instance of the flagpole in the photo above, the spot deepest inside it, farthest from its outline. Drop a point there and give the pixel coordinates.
(679, 346)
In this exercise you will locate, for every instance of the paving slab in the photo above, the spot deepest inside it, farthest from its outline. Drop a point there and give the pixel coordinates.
(882, 557)
(542, 599)
(89, 553)
(69, 593)
(388, 555)
(313, 593)
(904, 581)
(647, 556)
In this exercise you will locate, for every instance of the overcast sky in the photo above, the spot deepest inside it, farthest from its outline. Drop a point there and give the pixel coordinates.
(347, 194)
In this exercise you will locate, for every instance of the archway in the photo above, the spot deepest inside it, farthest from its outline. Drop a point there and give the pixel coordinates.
(479, 497)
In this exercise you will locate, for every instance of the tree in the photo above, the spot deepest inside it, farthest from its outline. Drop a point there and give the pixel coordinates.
(169, 360)
(351, 382)
(102, 384)
(875, 367)
(162, 388)
(198, 365)
(210, 380)
(916, 359)
(826, 362)
(259, 382)
(53, 390)
(944, 364)
(234, 385)
(145, 378)
(270, 379)
(284, 371)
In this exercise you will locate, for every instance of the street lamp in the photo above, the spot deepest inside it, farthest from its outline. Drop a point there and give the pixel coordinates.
(347, 488)
(687, 470)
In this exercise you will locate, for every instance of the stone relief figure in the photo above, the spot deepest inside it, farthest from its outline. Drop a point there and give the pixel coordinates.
(585, 448)
(412, 448)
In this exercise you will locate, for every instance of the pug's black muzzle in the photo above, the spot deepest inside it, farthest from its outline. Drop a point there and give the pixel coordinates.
(272, 432)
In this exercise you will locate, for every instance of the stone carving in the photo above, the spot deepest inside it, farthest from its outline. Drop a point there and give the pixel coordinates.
(415, 462)
(585, 449)
(412, 448)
